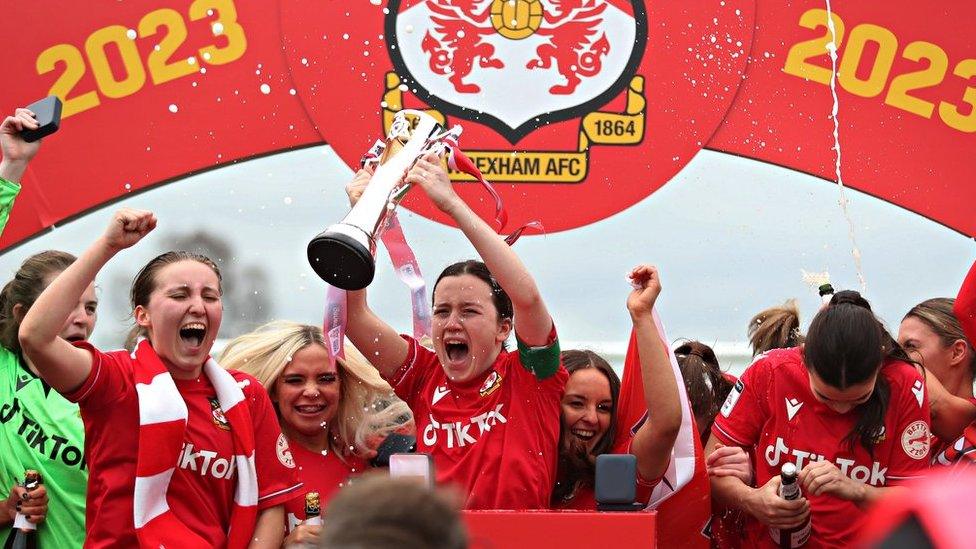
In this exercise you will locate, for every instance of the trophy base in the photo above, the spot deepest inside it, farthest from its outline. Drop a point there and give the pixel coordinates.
(341, 260)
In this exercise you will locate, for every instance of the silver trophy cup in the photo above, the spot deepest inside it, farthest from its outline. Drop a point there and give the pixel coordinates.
(342, 255)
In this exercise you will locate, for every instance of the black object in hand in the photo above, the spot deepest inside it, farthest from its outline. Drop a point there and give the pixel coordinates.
(47, 112)
(394, 443)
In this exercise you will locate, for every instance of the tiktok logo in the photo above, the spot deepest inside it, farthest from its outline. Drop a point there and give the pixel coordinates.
(776, 452)
(459, 433)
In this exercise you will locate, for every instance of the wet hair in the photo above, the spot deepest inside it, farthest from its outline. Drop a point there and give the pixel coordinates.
(499, 298)
(847, 345)
(706, 385)
(376, 511)
(368, 411)
(937, 314)
(576, 469)
(775, 328)
(145, 282)
(24, 288)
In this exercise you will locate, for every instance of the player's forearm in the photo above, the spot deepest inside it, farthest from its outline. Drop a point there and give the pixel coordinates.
(13, 170)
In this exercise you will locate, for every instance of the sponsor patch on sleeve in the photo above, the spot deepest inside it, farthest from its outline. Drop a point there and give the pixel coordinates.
(733, 398)
(915, 440)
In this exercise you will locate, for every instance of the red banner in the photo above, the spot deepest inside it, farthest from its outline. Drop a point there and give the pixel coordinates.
(156, 90)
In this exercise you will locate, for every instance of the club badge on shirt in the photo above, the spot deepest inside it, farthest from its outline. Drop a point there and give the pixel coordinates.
(492, 383)
(915, 440)
(218, 414)
(284, 452)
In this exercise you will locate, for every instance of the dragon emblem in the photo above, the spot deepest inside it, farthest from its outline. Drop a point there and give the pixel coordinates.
(462, 33)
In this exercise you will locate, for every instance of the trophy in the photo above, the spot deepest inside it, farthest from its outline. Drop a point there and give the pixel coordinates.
(342, 255)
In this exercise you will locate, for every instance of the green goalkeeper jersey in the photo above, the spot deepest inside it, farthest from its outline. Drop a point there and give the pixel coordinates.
(8, 192)
(41, 430)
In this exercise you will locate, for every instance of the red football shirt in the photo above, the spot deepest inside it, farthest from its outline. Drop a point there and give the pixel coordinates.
(683, 517)
(324, 474)
(773, 410)
(965, 307)
(963, 449)
(201, 492)
(496, 436)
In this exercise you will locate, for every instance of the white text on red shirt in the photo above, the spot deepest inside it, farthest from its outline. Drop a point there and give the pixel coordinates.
(459, 433)
(206, 462)
(875, 476)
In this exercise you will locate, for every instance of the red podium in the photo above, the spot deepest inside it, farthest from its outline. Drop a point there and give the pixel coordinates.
(560, 529)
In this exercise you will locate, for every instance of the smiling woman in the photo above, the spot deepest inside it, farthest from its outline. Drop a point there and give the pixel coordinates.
(334, 413)
(151, 415)
(591, 411)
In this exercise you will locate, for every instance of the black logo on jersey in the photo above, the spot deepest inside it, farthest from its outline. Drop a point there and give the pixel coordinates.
(23, 380)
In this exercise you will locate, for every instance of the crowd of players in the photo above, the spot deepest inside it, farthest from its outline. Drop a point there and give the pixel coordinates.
(162, 445)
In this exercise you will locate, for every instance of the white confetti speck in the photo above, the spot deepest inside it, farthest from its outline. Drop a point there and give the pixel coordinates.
(288, 200)
(173, 108)
(217, 28)
(265, 89)
(131, 34)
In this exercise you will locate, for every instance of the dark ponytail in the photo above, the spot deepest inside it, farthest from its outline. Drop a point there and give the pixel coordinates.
(847, 345)
(707, 387)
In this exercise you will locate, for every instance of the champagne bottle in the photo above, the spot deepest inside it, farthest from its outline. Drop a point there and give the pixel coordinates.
(313, 517)
(24, 533)
(826, 292)
(790, 490)
(313, 510)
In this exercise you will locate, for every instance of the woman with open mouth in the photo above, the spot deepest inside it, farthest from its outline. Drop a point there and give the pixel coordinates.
(181, 452)
(33, 411)
(590, 404)
(333, 412)
(488, 416)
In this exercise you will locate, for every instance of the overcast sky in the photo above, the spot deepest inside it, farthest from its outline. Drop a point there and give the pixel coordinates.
(730, 236)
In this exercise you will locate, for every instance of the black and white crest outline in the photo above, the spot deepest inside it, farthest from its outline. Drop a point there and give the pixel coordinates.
(515, 134)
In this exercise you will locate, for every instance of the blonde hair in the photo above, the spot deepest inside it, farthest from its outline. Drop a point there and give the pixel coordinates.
(368, 410)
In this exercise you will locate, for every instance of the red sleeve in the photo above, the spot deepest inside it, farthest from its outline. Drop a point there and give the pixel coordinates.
(965, 307)
(109, 380)
(408, 380)
(746, 409)
(277, 476)
(910, 450)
